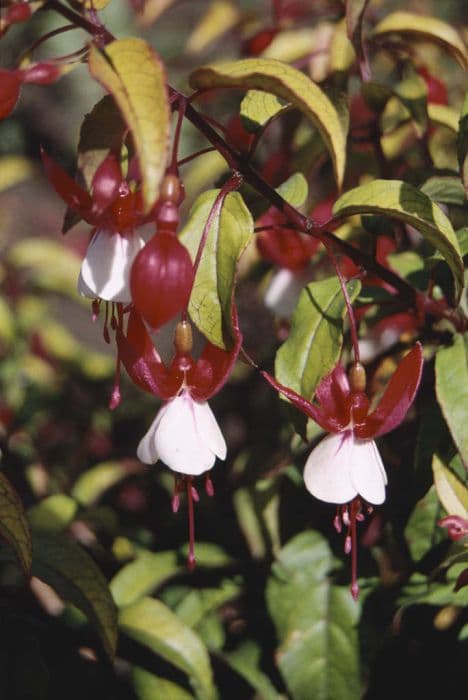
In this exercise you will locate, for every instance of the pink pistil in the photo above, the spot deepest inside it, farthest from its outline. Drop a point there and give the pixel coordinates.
(190, 492)
(348, 515)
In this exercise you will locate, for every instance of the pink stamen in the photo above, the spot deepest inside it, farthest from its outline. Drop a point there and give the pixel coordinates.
(345, 516)
(96, 306)
(337, 521)
(209, 488)
(175, 495)
(105, 331)
(348, 544)
(195, 495)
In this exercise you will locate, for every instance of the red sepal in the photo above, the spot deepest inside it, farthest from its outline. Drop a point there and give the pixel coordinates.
(332, 394)
(214, 366)
(397, 398)
(10, 85)
(283, 246)
(142, 361)
(314, 412)
(75, 196)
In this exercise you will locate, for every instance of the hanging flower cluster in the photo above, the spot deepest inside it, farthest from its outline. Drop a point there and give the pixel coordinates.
(345, 468)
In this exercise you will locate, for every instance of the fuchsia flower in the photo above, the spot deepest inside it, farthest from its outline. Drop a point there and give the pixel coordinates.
(345, 468)
(184, 434)
(115, 212)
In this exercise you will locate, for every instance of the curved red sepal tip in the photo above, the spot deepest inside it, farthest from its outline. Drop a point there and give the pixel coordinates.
(397, 398)
(72, 194)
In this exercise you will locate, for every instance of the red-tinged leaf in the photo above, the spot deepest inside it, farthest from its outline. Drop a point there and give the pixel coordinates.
(74, 195)
(106, 183)
(398, 397)
(10, 85)
(302, 404)
(142, 361)
(214, 365)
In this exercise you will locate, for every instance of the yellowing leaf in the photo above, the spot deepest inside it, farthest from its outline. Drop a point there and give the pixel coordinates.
(289, 84)
(401, 201)
(412, 27)
(94, 4)
(14, 528)
(14, 170)
(453, 494)
(219, 17)
(258, 107)
(228, 236)
(134, 75)
(443, 115)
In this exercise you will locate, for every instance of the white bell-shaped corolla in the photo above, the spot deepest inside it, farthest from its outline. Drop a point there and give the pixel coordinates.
(342, 467)
(105, 270)
(185, 436)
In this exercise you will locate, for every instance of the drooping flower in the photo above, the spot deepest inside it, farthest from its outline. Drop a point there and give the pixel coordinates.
(345, 468)
(184, 434)
(116, 213)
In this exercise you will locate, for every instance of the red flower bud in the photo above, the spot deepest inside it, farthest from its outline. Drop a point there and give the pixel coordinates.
(258, 42)
(161, 279)
(41, 73)
(18, 13)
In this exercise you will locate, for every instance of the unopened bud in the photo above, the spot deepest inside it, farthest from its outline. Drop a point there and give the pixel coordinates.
(170, 189)
(183, 340)
(357, 377)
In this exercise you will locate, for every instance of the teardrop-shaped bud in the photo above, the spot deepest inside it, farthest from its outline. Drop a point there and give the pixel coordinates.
(161, 279)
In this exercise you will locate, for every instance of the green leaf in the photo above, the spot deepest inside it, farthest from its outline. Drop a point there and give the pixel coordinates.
(90, 486)
(416, 27)
(258, 107)
(288, 84)
(443, 115)
(197, 604)
(102, 130)
(421, 591)
(142, 576)
(152, 624)
(229, 234)
(462, 144)
(135, 77)
(245, 660)
(147, 686)
(404, 202)
(422, 531)
(71, 572)
(294, 190)
(314, 343)
(53, 514)
(316, 623)
(452, 391)
(412, 92)
(445, 189)
(452, 493)
(51, 266)
(14, 526)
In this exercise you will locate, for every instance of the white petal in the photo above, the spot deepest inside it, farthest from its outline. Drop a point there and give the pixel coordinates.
(209, 430)
(105, 270)
(284, 289)
(146, 451)
(178, 440)
(327, 472)
(367, 471)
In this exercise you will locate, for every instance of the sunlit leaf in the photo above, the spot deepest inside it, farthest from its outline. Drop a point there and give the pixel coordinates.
(228, 236)
(152, 624)
(219, 18)
(315, 622)
(314, 343)
(71, 572)
(53, 514)
(245, 660)
(294, 190)
(445, 189)
(288, 84)
(443, 115)
(147, 686)
(258, 107)
(452, 493)
(452, 391)
(94, 4)
(51, 265)
(134, 75)
(416, 27)
(142, 576)
(404, 202)
(14, 526)
(90, 486)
